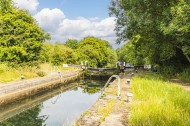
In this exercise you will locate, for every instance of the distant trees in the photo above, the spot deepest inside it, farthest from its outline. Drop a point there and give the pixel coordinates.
(23, 41)
(97, 52)
(130, 54)
(158, 31)
(71, 43)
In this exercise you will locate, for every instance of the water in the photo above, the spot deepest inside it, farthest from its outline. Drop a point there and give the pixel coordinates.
(60, 107)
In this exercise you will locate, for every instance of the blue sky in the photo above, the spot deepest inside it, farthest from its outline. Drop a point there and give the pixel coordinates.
(72, 19)
(76, 8)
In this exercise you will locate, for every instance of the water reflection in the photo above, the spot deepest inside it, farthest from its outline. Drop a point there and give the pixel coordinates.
(58, 107)
(27, 118)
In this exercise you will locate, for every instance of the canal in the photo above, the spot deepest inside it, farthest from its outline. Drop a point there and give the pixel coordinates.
(58, 107)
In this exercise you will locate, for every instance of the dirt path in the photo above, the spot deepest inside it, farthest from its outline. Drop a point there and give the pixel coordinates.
(181, 83)
(109, 110)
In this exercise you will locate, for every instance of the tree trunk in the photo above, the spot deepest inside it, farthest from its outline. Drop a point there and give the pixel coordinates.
(188, 58)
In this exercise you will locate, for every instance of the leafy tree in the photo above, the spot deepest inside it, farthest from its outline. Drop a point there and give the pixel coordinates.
(112, 58)
(62, 54)
(129, 54)
(159, 29)
(46, 52)
(71, 43)
(21, 38)
(6, 5)
(95, 51)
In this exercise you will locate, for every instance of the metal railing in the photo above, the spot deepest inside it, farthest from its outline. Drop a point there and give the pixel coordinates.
(118, 85)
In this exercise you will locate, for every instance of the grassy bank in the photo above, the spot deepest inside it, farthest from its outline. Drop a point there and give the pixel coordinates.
(8, 73)
(157, 102)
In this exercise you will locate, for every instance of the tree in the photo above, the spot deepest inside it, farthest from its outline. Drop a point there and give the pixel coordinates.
(129, 54)
(154, 28)
(112, 58)
(6, 5)
(21, 39)
(62, 54)
(95, 51)
(46, 52)
(71, 43)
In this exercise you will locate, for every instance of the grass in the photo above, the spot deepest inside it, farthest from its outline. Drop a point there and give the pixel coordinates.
(105, 111)
(157, 102)
(11, 74)
(8, 74)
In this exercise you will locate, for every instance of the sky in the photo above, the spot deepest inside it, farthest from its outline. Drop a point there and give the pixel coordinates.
(72, 19)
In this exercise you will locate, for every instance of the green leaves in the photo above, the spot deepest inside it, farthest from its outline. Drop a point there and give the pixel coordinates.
(20, 36)
(158, 30)
(97, 52)
(71, 43)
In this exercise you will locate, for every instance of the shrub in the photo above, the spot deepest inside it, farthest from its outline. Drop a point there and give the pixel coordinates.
(184, 75)
(3, 68)
(41, 73)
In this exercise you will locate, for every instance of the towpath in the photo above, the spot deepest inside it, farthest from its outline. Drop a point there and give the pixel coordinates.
(185, 85)
(109, 110)
(11, 89)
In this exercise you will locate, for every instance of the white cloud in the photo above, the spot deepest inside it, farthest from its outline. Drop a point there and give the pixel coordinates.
(94, 19)
(30, 5)
(61, 28)
(49, 20)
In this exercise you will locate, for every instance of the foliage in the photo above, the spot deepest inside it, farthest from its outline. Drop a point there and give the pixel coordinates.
(96, 51)
(184, 75)
(22, 42)
(46, 52)
(41, 73)
(62, 54)
(57, 54)
(112, 58)
(26, 118)
(129, 54)
(168, 102)
(8, 73)
(71, 43)
(21, 38)
(154, 30)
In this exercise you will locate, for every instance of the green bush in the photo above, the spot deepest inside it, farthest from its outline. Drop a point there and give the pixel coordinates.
(3, 68)
(184, 75)
(167, 71)
(41, 73)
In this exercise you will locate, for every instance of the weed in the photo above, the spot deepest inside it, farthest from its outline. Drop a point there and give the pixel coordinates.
(41, 73)
(105, 111)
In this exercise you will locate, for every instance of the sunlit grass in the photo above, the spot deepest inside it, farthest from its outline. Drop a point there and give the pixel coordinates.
(157, 102)
(8, 74)
(11, 74)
